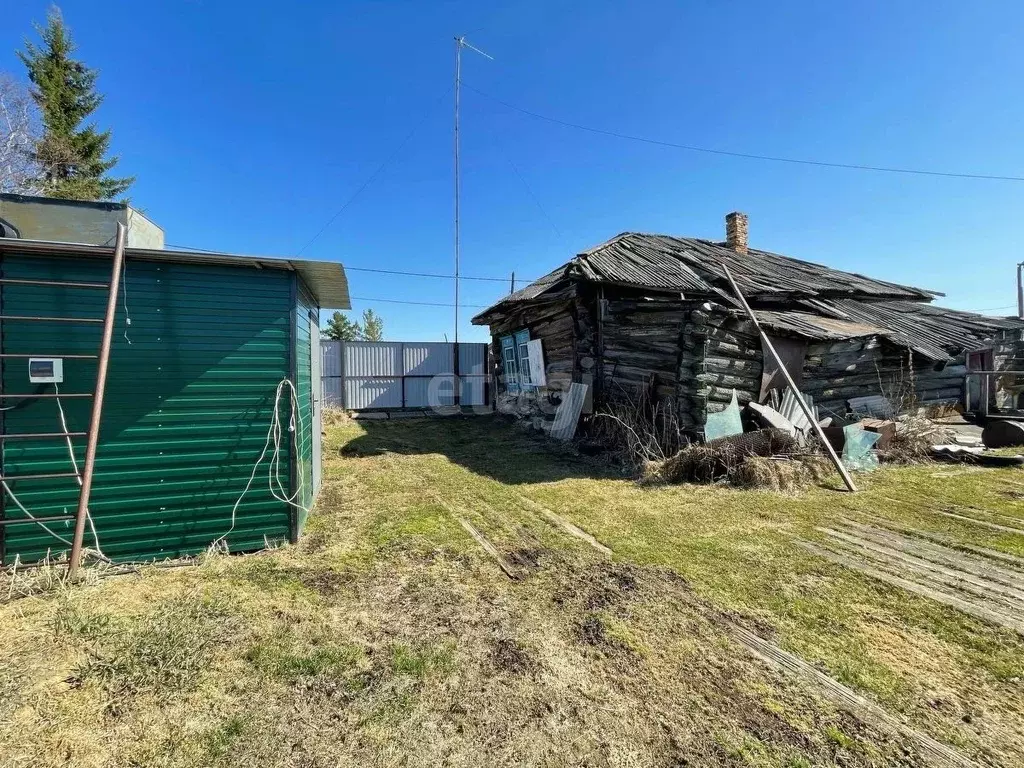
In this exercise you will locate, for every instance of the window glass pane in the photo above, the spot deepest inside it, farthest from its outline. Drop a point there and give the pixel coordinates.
(522, 355)
(508, 361)
(524, 363)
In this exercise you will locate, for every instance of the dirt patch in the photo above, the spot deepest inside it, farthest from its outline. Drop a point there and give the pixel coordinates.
(592, 631)
(604, 585)
(511, 656)
(525, 557)
(325, 582)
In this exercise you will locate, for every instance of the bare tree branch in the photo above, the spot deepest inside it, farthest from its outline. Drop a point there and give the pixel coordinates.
(20, 130)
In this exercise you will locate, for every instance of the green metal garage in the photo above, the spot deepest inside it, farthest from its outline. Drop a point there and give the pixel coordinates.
(205, 347)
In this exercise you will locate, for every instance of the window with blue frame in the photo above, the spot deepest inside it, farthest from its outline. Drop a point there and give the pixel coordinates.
(515, 360)
(508, 362)
(522, 339)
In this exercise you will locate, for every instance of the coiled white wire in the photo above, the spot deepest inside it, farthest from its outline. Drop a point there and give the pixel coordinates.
(274, 433)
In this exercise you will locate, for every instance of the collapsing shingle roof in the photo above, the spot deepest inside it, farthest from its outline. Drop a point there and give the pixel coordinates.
(927, 330)
(795, 296)
(693, 267)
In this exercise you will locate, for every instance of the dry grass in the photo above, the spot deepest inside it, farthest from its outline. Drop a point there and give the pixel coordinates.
(767, 460)
(913, 441)
(335, 417)
(781, 474)
(387, 637)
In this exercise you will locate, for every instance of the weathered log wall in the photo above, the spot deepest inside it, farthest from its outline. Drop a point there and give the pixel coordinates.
(721, 353)
(640, 350)
(694, 357)
(836, 371)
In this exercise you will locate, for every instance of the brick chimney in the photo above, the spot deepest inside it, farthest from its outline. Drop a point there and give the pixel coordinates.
(736, 231)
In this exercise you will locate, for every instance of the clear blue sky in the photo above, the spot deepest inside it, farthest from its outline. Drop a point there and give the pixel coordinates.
(250, 124)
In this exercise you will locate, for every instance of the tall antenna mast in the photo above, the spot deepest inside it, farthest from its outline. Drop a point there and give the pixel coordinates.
(460, 43)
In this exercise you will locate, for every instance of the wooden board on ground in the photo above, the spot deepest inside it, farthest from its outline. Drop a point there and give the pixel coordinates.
(489, 548)
(934, 752)
(568, 413)
(571, 528)
(972, 607)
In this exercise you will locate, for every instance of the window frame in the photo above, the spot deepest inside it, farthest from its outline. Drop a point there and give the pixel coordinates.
(508, 345)
(522, 347)
(515, 361)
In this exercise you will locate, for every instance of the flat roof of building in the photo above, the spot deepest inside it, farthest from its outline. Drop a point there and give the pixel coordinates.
(326, 280)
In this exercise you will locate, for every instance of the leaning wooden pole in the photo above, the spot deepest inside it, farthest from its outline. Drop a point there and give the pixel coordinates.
(97, 404)
(792, 385)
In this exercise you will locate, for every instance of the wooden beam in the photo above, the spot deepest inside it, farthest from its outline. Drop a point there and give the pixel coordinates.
(792, 385)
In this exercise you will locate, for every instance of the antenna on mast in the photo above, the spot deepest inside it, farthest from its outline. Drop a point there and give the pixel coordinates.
(460, 43)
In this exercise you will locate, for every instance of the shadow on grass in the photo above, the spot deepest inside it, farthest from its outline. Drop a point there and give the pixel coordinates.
(491, 446)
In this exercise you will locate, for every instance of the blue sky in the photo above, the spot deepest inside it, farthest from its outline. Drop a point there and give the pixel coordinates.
(250, 124)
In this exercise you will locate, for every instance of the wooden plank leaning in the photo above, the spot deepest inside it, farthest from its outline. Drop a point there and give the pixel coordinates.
(792, 385)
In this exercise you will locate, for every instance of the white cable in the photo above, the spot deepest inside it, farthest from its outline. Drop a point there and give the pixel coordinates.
(78, 475)
(30, 515)
(124, 297)
(274, 434)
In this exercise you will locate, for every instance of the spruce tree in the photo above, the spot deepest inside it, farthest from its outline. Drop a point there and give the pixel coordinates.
(373, 326)
(340, 328)
(73, 158)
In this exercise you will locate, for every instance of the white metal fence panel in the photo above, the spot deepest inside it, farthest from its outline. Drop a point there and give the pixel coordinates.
(473, 374)
(363, 375)
(473, 359)
(429, 391)
(332, 391)
(372, 358)
(428, 358)
(474, 390)
(331, 358)
(365, 393)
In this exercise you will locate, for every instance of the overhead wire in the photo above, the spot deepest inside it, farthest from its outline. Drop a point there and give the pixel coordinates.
(992, 309)
(744, 155)
(425, 274)
(406, 273)
(376, 173)
(536, 200)
(420, 303)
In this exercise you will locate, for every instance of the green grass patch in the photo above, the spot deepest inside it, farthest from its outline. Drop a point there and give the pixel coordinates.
(278, 661)
(163, 652)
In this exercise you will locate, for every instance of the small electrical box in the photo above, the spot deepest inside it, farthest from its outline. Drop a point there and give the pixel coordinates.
(46, 370)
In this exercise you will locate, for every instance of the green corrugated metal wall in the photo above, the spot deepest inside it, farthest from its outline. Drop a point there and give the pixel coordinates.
(187, 408)
(303, 388)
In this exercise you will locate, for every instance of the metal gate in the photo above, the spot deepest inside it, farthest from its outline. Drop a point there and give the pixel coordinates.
(367, 375)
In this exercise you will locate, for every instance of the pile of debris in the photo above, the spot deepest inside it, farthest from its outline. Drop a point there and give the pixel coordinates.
(777, 446)
(763, 458)
(759, 447)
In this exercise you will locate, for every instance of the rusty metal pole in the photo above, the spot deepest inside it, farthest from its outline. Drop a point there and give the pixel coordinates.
(792, 385)
(97, 404)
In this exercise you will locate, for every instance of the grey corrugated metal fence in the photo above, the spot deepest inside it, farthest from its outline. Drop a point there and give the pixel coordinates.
(364, 375)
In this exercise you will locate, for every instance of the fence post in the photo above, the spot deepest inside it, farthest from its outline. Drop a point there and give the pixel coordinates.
(403, 371)
(342, 395)
(457, 394)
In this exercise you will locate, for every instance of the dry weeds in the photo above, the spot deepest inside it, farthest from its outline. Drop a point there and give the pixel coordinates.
(913, 441)
(387, 637)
